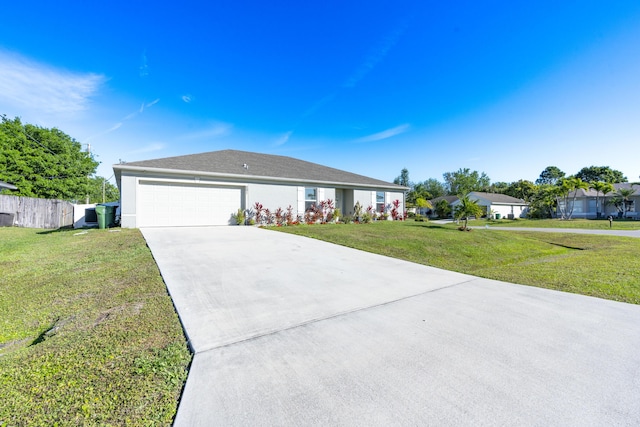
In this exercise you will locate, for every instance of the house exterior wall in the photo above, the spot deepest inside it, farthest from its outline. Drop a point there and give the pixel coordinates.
(270, 195)
(585, 208)
(518, 211)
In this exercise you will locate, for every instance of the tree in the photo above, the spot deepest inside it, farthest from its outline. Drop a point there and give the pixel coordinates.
(600, 187)
(44, 163)
(434, 187)
(624, 195)
(429, 189)
(465, 209)
(423, 203)
(463, 181)
(443, 208)
(521, 189)
(542, 203)
(100, 191)
(601, 173)
(551, 175)
(498, 187)
(569, 189)
(403, 179)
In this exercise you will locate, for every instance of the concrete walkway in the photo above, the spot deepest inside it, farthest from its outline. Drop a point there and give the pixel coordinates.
(292, 331)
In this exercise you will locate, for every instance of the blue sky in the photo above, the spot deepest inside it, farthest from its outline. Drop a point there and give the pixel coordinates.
(507, 88)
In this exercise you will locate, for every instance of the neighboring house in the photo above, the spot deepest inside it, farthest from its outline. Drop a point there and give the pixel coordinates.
(585, 203)
(492, 203)
(434, 202)
(209, 188)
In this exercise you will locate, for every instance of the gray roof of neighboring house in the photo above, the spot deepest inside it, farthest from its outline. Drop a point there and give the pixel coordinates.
(499, 198)
(449, 199)
(238, 164)
(592, 193)
(492, 197)
(7, 186)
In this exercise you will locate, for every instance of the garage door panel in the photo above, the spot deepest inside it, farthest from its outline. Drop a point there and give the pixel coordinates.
(163, 204)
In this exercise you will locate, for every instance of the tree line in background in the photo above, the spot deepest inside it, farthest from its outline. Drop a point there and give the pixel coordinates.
(543, 195)
(49, 164)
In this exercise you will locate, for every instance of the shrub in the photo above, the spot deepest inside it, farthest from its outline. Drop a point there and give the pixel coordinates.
(239, 216)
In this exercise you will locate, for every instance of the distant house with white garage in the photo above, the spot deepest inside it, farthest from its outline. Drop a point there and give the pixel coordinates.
(209, 188)
(498, 205)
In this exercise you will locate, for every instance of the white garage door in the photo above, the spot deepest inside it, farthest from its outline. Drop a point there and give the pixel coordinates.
(162, 204)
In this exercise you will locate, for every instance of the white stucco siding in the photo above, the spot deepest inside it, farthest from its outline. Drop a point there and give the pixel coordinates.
(391, 197)
(273, 197)
(128, 186)
(518, 211)
(364, 197)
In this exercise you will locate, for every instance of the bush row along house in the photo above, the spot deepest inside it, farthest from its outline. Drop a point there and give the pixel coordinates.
(209, 188)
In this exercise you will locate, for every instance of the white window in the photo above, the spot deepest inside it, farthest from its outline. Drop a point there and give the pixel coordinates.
(380, 201)
(310, 198)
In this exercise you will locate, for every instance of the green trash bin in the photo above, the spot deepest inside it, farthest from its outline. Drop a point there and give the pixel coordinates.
(110, 215)
(101, 212)
(497, 216)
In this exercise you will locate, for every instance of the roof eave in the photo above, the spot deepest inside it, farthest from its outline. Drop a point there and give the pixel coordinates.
(124, 167)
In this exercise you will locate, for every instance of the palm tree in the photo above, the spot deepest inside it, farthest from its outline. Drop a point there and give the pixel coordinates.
(625, 194)
(568, 187)
(465, 209)
(601, 187)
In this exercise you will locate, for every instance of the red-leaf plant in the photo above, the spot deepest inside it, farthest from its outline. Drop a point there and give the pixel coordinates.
(258, 212)
(279, 214)
(289, 215)
(395, 211)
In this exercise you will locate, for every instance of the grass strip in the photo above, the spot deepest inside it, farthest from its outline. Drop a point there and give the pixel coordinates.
(588, 224)
(601, 266)
(88, 333)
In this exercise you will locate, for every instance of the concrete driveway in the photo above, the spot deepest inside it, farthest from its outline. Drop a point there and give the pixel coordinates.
(292, 331)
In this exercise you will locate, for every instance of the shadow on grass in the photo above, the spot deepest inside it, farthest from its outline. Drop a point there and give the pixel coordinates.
(56, 230)
(429, 225)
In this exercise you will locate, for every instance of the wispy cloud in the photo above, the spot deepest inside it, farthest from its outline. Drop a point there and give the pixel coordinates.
(319, 104)
(144, 65)
(377, 54)
(283, 139)
(156, 146)
(126, 118)
(114, 127)
(385, 134)
(27, 84)
(187, 98)
(216, 130)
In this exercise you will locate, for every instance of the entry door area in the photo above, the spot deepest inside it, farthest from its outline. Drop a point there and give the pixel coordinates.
(163, 204)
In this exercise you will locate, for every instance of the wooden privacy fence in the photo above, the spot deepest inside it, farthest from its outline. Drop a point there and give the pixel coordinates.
(37, 213)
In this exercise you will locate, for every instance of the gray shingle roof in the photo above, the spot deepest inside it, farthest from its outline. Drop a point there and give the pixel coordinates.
(592, 193)
(232, 162)
(499, 198)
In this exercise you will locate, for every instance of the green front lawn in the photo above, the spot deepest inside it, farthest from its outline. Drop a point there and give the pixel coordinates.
(88, 333)
(593, 224)
(602, 266)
